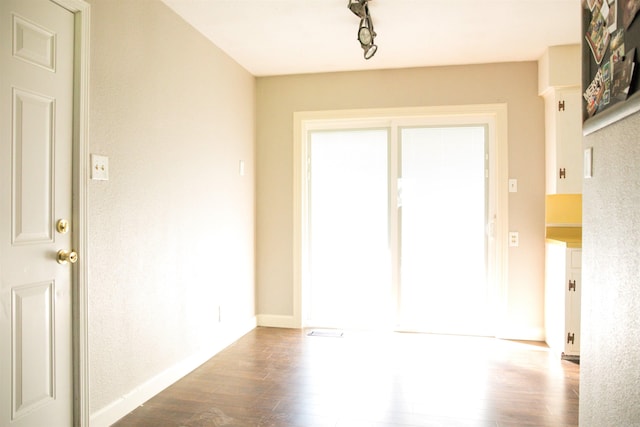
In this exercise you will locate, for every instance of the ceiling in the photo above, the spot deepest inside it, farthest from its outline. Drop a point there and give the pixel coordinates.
(276, 37)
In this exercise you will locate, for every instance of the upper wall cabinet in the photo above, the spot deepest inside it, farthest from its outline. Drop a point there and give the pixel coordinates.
(559, 84)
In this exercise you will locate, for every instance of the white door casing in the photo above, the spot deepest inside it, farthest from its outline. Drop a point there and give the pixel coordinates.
(493, 115)
(42, 129)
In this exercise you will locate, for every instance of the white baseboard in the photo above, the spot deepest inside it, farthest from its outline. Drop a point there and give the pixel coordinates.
(521, 334)
(277, 321)
(145, 391)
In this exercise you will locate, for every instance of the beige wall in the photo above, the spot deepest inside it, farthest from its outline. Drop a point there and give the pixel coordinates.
(610, 329)
(512, 83)
(172, 231)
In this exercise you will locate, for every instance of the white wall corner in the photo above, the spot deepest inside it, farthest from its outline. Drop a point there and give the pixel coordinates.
(226, 335)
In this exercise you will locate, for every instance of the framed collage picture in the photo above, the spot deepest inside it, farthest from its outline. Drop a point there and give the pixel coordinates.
(609, 61)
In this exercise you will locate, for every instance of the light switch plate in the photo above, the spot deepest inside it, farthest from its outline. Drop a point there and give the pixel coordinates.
(513, 185)
(99, 168)
(588, 162)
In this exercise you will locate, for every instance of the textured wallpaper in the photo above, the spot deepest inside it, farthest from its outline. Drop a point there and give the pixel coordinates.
(610, 360)
(172, 232)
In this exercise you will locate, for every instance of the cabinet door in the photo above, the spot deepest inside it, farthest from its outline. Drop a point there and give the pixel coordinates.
(555, 296)
(574, 292)
(569, 157)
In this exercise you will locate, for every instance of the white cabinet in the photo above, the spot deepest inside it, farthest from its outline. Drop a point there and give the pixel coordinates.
(563, 283)
(559, 82)
(563, 140)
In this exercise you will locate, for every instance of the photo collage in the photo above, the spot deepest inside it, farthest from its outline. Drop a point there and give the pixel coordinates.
(610, 24)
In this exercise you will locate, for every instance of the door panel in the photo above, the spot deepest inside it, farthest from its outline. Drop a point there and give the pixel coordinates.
(32, 340)
(443, 283)
(32, 169)
(349, 229)
(36, 115)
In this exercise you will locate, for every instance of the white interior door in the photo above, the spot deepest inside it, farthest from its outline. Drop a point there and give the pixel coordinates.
(443, 217)
(36, 113)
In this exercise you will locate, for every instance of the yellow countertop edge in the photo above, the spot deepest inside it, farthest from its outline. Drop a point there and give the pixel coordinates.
(571, 236)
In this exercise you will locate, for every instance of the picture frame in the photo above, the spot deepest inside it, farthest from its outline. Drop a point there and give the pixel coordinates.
(609, 62)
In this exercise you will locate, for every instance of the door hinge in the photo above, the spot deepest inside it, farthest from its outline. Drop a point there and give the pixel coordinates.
(561, 105)
(572, 285)
(571, 338)
(563, 173)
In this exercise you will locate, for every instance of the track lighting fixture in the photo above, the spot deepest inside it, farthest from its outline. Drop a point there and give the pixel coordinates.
(366, 34)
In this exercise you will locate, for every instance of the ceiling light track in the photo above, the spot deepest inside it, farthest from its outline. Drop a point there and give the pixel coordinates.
(366, 34)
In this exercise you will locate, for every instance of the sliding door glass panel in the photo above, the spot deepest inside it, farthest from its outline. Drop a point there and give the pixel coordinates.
(443, 284)
(348, 226)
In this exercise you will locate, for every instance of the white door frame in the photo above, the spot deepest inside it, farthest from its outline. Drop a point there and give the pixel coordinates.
(493, 114)
(82, 37)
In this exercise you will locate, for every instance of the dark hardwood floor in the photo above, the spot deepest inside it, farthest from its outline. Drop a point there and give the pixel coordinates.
(283, 377)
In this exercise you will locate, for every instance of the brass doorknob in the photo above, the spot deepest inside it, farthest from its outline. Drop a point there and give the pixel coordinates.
(67, 256)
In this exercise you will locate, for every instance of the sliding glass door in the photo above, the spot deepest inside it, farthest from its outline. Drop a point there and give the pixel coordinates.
(396, 228)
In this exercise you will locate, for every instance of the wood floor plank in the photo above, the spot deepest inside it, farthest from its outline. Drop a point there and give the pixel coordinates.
(285, 378)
